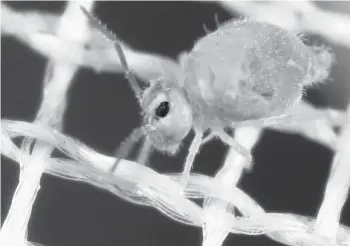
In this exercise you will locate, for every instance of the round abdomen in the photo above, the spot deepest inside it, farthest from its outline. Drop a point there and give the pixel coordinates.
(245, 70)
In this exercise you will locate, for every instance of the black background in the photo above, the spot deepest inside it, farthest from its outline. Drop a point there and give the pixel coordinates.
(290, 172)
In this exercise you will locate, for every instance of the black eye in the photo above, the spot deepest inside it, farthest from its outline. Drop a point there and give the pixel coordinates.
(163, 109)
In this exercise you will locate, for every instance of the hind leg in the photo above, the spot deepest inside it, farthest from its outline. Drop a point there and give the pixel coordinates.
(235, 145)
(274, 120)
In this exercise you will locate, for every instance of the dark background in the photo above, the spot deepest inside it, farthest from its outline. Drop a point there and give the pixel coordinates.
(290, 172)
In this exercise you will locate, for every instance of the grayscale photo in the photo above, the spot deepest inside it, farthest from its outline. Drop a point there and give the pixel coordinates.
(169, 123)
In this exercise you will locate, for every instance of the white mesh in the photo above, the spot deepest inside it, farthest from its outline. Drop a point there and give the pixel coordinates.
(142, 185)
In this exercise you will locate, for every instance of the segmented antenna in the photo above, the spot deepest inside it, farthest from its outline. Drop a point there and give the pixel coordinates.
(113, 38)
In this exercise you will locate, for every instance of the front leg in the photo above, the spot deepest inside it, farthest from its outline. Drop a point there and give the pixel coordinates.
(192, 152)
(145, 151)
(126, 146)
